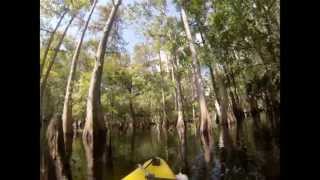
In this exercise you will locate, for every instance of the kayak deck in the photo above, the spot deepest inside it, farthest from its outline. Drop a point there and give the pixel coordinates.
(156, 167)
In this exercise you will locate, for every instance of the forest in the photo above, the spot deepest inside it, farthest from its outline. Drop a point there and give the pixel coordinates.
(195, 82)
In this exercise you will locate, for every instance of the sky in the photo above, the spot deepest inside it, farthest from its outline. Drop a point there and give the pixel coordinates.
(129, 32)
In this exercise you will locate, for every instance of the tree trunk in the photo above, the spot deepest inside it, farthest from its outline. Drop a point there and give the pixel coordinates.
(56, 149)
(45, 78)
(207, 146)
(217, 94)
(195, 120)
(164, 114)
(47, 167)
(214, 83)
(44, 58)
(67, 106)
(43, 123)
(205, 120)
(175, 99)
(94, 133)
(181, 123)
(254, 110)
(236, 107)
(222, 94)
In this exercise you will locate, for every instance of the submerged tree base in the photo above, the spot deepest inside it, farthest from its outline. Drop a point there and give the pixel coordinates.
(57, 150)
(95, 145)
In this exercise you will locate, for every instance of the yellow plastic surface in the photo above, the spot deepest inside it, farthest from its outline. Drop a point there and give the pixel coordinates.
(137, 174)
(162, 171)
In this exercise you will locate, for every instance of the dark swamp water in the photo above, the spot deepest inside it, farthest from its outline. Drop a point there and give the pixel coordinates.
(254, 156)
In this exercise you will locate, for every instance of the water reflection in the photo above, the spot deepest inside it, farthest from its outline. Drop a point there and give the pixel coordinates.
(164, 144)
(132, 145)
(78, 160)
(95, 153)
(109, 167)
(225, 156)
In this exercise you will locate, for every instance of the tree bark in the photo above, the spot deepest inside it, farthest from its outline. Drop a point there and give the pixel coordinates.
(44, 58)
(181, 123)
(45, 78)
(214, 86)
(217, 101)
(56, 149)
(207, 146)
(236, 107)
(164, 114)
(205, 120)
(94, 133)
(222, 94)
(254, 110)
(67, 106)
(175, 99)
(224, 101)
(43, 123)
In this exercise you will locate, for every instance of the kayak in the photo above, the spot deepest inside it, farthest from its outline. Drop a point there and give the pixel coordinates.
(155, 168)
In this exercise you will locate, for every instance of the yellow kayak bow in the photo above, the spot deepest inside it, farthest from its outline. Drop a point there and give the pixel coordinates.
(155, 168)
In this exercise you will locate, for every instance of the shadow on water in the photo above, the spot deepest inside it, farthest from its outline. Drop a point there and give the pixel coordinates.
(240, 153)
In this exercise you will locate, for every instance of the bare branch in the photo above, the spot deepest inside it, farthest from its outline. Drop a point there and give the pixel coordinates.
(46, 30)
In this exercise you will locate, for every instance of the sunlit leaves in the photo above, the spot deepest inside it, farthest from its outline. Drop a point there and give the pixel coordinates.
(52, 7)
(240, 35)
(77, 4)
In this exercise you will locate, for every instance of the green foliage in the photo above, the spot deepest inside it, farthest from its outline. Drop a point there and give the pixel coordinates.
(241, 37)
(51, 8)
(239, 42)
(77, 4)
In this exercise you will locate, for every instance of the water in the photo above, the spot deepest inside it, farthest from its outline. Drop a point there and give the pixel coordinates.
(256, 158)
